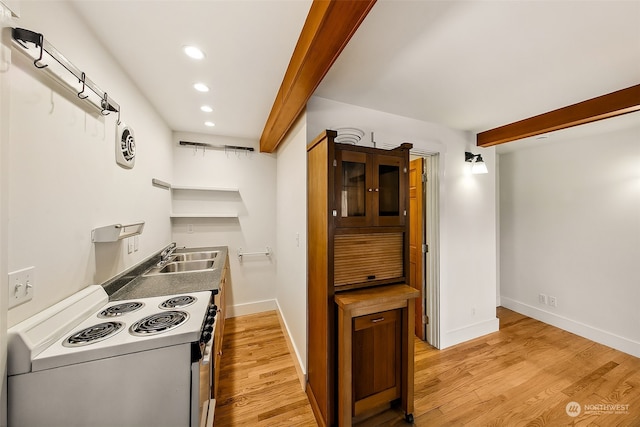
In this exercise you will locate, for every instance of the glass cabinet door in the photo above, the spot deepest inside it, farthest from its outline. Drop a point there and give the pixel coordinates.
(389, 206)
(368, 190)
(352, 197)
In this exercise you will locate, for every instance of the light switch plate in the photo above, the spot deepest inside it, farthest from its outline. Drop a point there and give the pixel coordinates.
(21, 285)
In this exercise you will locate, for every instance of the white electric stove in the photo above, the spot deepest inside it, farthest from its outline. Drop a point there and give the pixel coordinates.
(89, 362)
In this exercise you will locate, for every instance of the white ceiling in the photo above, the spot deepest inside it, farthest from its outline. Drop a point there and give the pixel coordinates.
(247, 45)
(471, 65)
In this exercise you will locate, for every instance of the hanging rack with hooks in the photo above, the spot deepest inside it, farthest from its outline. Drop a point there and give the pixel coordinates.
(22, 37)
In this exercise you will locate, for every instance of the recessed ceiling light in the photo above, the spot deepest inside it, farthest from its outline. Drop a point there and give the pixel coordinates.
(193, 52)
(206, 109)
(201, 87)
(210, 124)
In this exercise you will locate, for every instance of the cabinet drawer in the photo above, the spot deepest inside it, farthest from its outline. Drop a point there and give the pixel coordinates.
(361, 258)
(375, 319)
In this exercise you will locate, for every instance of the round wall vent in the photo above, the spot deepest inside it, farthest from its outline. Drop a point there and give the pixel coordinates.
(125, 146)
(348, 135)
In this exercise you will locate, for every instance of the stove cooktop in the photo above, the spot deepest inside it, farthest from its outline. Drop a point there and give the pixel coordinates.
(123, 327)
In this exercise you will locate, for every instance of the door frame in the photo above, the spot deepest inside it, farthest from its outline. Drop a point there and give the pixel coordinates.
(430, 289)
(431, 266)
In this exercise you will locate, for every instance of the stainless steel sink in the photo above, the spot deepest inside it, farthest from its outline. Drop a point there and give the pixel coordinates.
(182, 266)
(176, 266)
(194, 256)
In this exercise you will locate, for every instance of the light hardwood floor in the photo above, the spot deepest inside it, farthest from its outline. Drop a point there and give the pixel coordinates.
(523, 375)
(259, 385)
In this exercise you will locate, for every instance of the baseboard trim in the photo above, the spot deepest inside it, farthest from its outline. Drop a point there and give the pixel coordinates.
(469, 332)
(251, 308)
(594, 334)
(302, 377)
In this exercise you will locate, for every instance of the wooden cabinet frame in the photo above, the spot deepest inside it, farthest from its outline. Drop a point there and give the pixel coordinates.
(323, 228)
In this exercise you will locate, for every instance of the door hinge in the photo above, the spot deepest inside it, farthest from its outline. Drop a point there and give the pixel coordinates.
(335, 163)
(425, 248)
(405, 170)
(425, 319)
(424, 177)
(335, 212)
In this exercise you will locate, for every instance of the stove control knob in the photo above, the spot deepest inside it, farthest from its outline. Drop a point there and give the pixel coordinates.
(210, 320)
(213, 310)
(206, 336)
(209, 329)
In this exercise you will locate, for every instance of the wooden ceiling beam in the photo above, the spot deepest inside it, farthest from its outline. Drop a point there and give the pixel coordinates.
(327, 30)
(602, 107)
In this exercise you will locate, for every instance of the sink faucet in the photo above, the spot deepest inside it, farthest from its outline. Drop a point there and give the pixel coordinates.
(165, 255)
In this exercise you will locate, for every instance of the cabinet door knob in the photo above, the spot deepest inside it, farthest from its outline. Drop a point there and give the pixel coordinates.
(377, 189)
(371, 189)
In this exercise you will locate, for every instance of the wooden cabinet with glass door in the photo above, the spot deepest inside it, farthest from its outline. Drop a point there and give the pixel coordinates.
(357, 202)
(369, 190)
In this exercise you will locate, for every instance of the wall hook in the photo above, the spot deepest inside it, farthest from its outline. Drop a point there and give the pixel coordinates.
(105, 105)
(82, 80)
(40, 43)
(118, 122)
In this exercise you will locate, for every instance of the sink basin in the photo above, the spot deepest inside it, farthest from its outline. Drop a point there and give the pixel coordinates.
(194, 256)
(182, 267)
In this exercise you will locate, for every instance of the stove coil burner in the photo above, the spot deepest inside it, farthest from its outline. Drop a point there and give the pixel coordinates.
(178, 302)
(158, 323)
(120, 309)
(93, 334)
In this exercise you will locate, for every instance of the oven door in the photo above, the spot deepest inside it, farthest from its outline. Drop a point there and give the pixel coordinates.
(202, 404)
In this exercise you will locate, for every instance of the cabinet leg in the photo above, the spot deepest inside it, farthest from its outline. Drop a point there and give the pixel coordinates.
(409, 418)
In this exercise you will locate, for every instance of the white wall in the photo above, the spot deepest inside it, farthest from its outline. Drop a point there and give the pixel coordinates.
(63, 179)
(291, 184)
(570, 228)
(254, 175)
(5, 61)
(468, 256)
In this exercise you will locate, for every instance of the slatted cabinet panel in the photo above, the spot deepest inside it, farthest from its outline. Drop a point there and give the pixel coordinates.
(362, 258)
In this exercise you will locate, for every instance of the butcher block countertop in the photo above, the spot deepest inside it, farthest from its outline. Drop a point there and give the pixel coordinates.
(133, 285)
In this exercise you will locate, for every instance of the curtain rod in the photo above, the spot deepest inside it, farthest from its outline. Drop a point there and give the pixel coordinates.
(216, 147)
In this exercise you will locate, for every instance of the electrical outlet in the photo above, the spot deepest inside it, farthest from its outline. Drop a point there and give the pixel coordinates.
(542, 298)
(21, 284)
(553, 302)
(190, 228)
(136, 243)
(130, 245)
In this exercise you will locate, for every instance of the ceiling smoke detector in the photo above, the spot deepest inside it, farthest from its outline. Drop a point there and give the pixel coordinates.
(349, 135)
(125, 146)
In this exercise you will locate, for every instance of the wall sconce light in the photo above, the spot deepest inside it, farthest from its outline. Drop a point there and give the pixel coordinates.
(477, 164)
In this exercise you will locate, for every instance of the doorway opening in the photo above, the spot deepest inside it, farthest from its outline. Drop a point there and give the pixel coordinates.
(424, 245)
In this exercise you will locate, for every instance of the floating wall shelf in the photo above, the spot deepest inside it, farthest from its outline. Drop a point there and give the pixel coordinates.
(188, 207)
(204, 215)
(197, 188)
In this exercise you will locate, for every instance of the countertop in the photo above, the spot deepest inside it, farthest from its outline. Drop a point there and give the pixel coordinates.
(132, 285)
